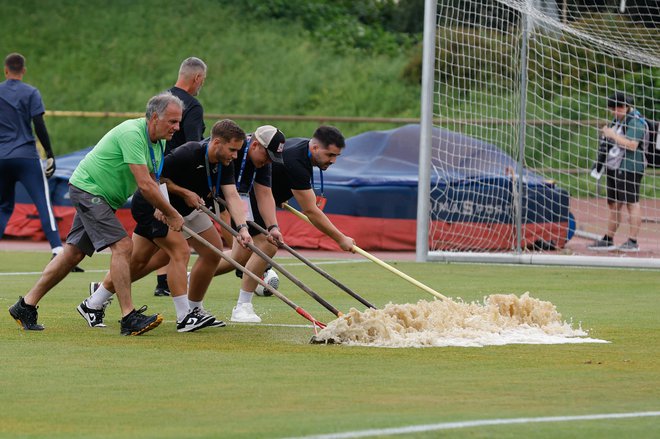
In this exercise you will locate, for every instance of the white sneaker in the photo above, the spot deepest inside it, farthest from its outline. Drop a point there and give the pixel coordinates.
(595, 174)
(244, 313)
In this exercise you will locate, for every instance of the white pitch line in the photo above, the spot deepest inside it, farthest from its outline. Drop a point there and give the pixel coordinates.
(342, 261)
(469, 424)
(277, 325)
(292, 264)
(25, 273)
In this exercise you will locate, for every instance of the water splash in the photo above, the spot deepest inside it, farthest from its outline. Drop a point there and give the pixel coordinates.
(500, 319)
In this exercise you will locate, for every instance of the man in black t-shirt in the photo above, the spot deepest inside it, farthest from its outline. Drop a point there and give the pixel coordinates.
(252, 171)
(295, 178)
(192, 74)
(193, 173)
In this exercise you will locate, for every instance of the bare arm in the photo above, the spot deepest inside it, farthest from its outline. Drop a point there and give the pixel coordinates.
(189, 197)
(151, 193)
(620, 139)
(307, 201)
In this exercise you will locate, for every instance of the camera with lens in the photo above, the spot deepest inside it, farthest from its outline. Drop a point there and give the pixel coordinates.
(604, 147)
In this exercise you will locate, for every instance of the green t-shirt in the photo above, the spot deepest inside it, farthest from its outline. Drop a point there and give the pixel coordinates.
(635, 129)
(104, 171)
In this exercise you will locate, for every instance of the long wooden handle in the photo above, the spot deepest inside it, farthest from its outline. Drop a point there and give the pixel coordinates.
(275, 264)
(247, 272)
(372, 258)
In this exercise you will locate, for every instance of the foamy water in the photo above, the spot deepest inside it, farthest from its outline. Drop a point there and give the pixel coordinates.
(501, 319)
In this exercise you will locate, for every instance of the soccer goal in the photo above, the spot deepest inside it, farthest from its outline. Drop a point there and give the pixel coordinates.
(515, 93)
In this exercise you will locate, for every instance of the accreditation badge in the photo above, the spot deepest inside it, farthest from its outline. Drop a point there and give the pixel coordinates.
(163, 191)
(320, 201)
(247, 207)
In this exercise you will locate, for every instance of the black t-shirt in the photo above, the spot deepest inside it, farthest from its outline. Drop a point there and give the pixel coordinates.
(186, 167)
(295, 173)
(250, 174)
(192, 125)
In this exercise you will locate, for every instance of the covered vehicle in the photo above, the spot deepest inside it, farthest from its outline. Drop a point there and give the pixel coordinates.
(372, 197)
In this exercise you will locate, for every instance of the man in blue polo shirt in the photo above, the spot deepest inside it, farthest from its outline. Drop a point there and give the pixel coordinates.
(20, 107)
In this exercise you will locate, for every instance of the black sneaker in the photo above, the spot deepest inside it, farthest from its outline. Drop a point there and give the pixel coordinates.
(162, 291)
(629, 246)
(194, 320)
(602, 245)
(25, 315)
(239, 273)
(215, 323)
(136, 323)
(94, 317)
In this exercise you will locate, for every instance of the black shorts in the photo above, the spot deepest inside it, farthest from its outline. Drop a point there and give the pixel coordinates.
(623, 186)
(147, 226)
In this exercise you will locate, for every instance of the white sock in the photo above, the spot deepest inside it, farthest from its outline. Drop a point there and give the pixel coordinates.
(245, 296)
(57, 250)
(194, 304)
(181, 306)
(96, 300)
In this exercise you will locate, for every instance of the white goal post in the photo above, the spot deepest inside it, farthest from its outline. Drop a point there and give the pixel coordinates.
(515, 94)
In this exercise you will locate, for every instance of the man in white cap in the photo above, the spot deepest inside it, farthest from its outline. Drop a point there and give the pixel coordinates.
(252, 172)
(293, 177)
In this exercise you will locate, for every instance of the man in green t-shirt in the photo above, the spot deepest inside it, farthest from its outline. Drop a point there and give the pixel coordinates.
(627, 136)
(128, 157)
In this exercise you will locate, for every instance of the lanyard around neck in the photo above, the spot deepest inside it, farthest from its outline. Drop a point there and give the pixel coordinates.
(243, 163)
(309, 154)
(158, 171)
(214, 189)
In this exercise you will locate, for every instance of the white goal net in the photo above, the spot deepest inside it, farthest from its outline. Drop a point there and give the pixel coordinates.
(519, 92)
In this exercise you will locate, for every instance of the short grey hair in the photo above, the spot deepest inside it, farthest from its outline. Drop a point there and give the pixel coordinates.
(160, 102)
(191, 66)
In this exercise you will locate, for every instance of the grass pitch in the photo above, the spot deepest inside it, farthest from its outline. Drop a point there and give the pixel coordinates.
(261, 381)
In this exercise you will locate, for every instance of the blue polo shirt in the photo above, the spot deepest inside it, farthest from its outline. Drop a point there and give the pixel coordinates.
(19, 103)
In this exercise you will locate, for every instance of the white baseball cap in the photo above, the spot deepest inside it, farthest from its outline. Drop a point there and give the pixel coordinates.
(273, 140)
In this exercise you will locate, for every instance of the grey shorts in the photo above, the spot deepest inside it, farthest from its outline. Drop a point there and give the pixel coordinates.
(95, 225)
(197, 221)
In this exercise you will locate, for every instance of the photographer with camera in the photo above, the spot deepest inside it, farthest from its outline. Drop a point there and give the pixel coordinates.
(621, 154)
